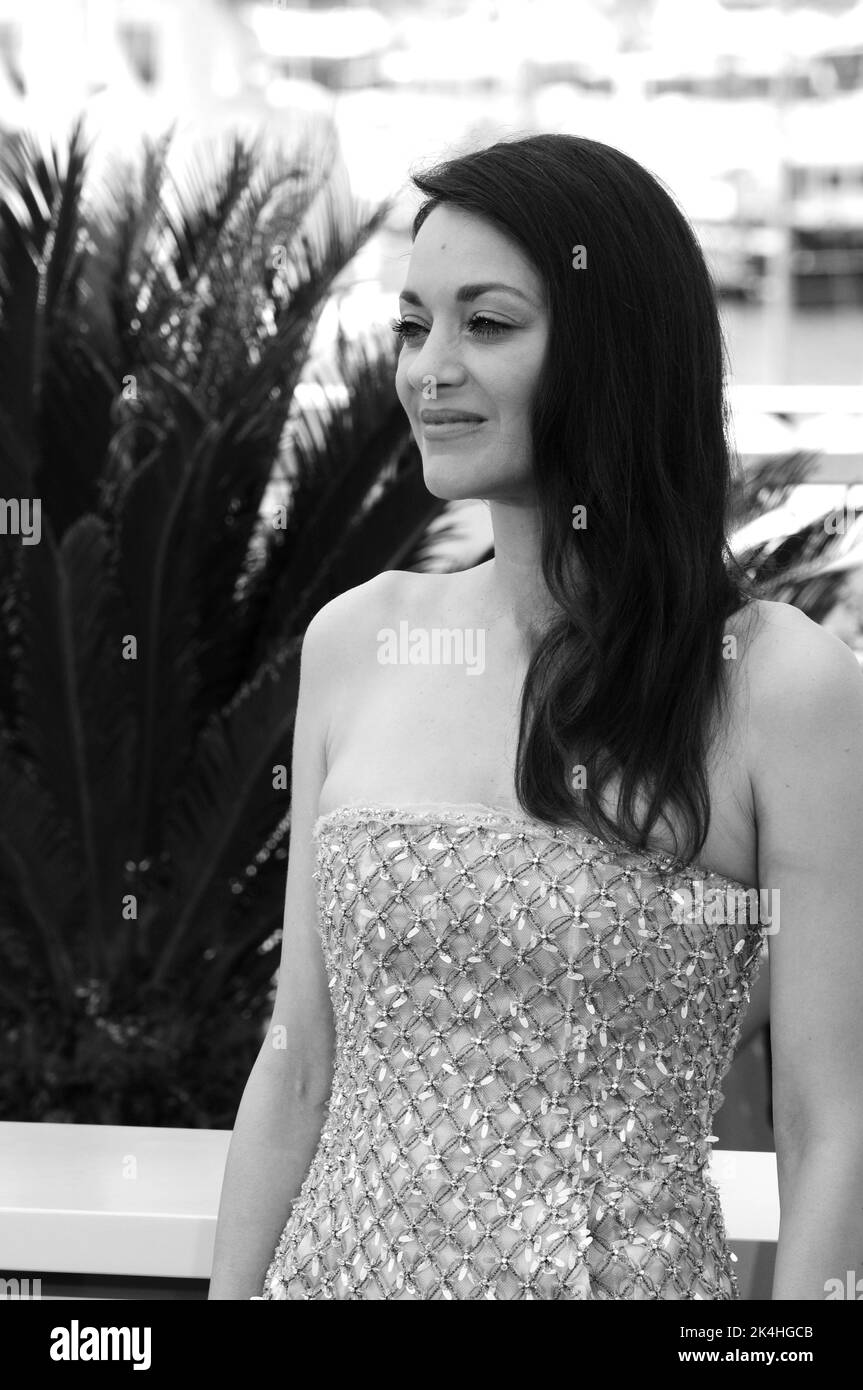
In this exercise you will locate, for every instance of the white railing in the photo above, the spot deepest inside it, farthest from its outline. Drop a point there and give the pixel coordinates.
(122, 1200)
(827, 420)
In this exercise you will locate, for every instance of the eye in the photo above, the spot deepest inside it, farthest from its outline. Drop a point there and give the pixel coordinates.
(404, 329)
(490, 327)
(480, 326)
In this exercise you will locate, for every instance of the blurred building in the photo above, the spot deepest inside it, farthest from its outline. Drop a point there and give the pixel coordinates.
(749, 115)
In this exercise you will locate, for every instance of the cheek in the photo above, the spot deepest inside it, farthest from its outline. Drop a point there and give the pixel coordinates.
(520, 383)
(403, 387)
(515, 400)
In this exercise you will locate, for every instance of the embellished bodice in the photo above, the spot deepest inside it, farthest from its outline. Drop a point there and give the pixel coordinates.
(532, 1028)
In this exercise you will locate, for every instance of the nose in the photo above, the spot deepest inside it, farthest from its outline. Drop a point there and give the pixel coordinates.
(436, 362)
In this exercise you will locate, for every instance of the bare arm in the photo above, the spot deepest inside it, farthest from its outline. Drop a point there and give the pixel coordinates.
(284, 1103)
(758, 1013)
(808, 777)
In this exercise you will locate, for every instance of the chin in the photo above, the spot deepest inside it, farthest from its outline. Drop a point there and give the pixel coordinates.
(455, 479)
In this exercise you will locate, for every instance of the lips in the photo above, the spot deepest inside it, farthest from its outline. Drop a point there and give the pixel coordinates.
(449, 417)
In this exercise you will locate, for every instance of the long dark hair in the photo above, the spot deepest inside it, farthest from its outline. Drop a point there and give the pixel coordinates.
(630, 421)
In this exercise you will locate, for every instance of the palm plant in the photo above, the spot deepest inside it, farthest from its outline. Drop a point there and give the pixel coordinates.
(151, 345)
(803, 564)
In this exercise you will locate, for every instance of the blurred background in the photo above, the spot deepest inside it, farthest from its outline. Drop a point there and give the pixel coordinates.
(204, 227)
(750, 112)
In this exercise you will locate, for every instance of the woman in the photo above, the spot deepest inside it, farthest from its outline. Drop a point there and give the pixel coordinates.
(497, 1078)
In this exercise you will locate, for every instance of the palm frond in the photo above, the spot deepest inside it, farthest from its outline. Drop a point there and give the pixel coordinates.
(766, 485)
(343, 455)
(105, 683)
(39, 215)
(248, 955)
(795, 563)
(17, 454)
(40, 866)
(156, 523)
(231, 767)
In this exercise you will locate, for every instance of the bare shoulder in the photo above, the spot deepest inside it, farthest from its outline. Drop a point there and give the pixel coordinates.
(394, 595)
(430, 595)
(344, 624)
(342, 640)
(805, 683)
(792, 658)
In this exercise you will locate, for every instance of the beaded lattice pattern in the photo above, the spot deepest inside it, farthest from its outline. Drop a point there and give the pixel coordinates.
(529, 1052)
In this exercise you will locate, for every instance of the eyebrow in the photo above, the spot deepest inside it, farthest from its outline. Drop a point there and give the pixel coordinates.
(466, 293)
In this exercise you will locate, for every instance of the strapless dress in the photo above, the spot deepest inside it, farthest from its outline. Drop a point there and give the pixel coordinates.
(532, 1028)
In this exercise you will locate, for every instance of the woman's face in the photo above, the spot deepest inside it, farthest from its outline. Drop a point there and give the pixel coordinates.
(476, 330)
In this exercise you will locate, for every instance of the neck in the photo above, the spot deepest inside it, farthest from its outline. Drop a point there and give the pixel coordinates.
(514, 589)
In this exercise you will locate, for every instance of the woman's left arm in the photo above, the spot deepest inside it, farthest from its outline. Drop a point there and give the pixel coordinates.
(806, 765)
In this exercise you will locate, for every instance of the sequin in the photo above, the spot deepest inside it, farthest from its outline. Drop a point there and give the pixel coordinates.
(503, 989)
